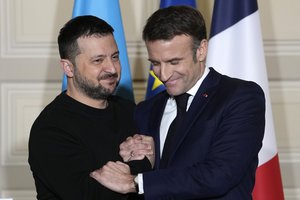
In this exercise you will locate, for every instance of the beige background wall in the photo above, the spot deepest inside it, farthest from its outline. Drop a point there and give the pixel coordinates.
(30, 77)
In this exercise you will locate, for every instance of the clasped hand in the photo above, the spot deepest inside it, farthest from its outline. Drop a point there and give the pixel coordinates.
(137, 147)
(116, 175)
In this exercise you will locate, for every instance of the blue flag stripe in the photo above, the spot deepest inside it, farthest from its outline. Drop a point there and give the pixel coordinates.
(167, 3)
(64, 83)
(228, 12)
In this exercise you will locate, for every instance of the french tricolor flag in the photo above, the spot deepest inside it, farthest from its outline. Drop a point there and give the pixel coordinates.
(236, 49)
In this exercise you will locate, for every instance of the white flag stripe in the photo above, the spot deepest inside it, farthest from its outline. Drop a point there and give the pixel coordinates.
(238, 52)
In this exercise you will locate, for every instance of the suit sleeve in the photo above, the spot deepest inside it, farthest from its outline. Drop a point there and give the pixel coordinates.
(232, 154)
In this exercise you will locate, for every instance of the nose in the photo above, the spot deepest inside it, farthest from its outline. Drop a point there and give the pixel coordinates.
(165, 73)
(111, 66)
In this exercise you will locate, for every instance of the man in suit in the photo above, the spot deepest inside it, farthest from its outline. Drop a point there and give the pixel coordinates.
(213, 153)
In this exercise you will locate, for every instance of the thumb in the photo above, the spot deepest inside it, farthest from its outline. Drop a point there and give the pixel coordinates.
(95, 174)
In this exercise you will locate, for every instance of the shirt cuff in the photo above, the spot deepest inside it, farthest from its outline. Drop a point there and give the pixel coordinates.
(140, 183)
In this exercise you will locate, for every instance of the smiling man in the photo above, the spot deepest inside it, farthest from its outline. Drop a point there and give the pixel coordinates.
(212, 153)
(82, 128)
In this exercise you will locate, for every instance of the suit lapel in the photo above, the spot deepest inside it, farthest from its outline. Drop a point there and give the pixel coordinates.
(155, 120)
(204, 94)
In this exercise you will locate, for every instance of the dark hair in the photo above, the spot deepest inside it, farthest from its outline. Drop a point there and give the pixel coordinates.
(166, 23)
(81, 26)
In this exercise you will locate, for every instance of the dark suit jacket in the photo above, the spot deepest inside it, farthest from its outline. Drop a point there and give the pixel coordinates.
(216, 155)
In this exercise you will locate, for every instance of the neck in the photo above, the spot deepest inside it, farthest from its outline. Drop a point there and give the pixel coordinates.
(82, 98)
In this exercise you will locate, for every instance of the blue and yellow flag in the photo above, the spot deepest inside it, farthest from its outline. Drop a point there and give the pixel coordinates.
(109, 10)
(155, 86)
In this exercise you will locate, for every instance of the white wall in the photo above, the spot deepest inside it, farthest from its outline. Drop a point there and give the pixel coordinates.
(30, 77)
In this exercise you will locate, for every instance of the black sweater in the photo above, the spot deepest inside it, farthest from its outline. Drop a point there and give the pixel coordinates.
(68, 140)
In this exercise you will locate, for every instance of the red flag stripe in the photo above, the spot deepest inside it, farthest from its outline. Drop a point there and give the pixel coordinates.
(268, 185)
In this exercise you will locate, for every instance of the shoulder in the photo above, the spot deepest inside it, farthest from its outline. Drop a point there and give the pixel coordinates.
(240, 84)
(54, 111)
(231, 84)
(148, 103)
(238, 93)
(227, 90)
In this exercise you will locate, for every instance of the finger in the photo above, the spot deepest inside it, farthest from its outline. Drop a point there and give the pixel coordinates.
(108, 168)
(129, 142)
(127, 153)
(134, 139)
(129, 138)
(123, 167)
(138, 137)
(138, 149)
(132, 154)
(125, 149)
(147, 139)
(147, 151)
(140, 146)
(96, 174)
(125, 157)
(114, 167)
(138, 157)
(101, 176)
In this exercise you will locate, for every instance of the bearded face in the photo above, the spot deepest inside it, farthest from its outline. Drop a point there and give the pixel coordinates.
(96, 91)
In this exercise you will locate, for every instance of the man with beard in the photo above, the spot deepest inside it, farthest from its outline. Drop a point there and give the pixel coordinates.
(82, 128)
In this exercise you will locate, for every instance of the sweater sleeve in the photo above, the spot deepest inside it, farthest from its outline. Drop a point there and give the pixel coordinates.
(139, 166)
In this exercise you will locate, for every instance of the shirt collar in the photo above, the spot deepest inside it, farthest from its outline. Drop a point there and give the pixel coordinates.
(195, 88)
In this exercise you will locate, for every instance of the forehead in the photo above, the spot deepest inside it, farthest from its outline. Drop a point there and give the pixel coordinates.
(97, 44)
(178, 46)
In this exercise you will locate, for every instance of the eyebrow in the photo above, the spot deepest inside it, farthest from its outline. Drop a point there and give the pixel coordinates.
(103, 56)
(170, 60)
(150, 60)
(117, 52)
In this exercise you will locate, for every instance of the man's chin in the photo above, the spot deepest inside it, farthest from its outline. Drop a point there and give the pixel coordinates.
(174, 93)
(111, 89)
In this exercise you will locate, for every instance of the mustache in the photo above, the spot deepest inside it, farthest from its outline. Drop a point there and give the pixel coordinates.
(108, 75)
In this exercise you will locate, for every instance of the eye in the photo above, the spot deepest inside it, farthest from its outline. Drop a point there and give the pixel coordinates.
(98, 60)
(174, 62)
(115, 58)
(155, 64)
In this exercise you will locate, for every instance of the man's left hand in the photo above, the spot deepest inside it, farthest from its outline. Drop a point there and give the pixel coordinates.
(115, 176)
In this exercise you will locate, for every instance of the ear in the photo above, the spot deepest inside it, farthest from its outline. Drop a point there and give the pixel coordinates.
(67, 67)
(202, 50)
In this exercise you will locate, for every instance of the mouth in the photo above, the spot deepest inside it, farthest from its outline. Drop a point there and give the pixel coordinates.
(109, 82)
(171, 83)
(111, 78)
(108, 76)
